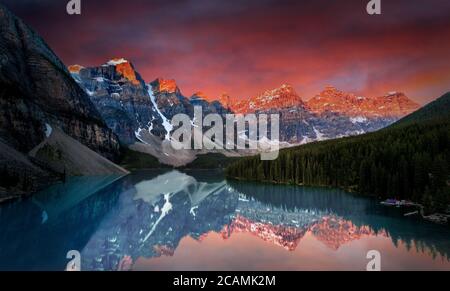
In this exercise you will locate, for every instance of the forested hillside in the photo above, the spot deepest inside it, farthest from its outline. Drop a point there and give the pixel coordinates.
(409, 160)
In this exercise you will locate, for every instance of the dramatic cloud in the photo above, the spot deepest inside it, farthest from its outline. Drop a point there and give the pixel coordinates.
(244, 47)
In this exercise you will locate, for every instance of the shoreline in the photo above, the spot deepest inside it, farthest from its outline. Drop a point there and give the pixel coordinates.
(436, 217)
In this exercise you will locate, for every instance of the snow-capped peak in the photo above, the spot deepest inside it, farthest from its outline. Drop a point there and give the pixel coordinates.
(281, 97)
(116, 61)
(392, 93)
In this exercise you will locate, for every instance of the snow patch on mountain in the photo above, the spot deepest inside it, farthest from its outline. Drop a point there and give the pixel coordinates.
(358, 119)
(90, 93)
(319, 135)
(192, 211)
(166, 123)
(137, 133)
(116, 62)
(48, 130)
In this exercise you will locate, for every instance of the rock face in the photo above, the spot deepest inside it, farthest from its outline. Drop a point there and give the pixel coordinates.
(392, 105)
(121, 96)
(36, 88)
(130, 106)
(280, 98)
(200, 99)
(38, 93)
(139, 113)
(169, 99)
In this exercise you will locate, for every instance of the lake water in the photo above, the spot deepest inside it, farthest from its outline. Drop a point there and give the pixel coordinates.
(152, 220)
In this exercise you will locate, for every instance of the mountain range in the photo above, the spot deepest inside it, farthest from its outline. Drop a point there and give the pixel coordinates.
(330, 114)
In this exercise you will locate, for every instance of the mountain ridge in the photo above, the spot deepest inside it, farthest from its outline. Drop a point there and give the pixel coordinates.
(300, 121)
(331, 99)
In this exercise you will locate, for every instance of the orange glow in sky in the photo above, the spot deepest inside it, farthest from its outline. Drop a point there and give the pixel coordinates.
(248, 46)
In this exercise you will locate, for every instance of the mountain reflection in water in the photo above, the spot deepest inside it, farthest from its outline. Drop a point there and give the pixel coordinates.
(148, 220)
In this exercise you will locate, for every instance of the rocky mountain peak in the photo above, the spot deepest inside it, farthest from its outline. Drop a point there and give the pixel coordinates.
(200, 95)
(393, 104)
(75, 69)
(335, 95)
(124, 68)
(120, 95)
(283, 91)
(161, 85)
(282, 97)
(396, 96)
(334, 100)
(116, 61)
(225, 100)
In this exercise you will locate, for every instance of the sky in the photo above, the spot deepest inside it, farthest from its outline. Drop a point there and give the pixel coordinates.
(244, 47)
